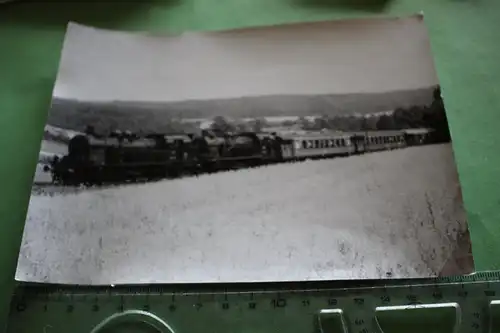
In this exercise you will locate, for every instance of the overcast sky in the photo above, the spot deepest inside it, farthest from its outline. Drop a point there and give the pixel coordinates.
(375, 55)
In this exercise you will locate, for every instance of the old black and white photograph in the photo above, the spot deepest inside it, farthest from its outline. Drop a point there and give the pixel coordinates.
(306, 151)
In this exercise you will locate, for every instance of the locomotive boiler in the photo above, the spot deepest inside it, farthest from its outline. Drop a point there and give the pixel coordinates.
(96, 160)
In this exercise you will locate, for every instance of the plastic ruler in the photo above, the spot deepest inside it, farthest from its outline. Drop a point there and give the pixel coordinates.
(456, 304)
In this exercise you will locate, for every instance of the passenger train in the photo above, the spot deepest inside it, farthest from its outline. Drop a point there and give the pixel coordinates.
(95, 160)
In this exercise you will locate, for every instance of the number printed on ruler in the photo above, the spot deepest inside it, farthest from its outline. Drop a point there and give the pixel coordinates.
(434, 307)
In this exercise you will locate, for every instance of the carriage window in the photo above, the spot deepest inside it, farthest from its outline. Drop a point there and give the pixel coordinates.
(342, 142)
(304, 144)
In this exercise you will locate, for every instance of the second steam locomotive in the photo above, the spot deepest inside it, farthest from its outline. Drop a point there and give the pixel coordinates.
(95, 160)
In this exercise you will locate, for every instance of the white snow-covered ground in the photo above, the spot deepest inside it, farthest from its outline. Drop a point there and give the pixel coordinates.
(388, 214)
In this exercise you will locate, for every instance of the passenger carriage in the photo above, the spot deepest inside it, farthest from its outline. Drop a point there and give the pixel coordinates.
(378, 140)
(321, 144)
(418, 136)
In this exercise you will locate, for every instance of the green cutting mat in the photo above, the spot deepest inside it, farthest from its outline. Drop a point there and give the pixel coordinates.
(464, 36)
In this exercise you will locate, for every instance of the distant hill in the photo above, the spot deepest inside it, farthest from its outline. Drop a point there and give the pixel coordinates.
(161, 117)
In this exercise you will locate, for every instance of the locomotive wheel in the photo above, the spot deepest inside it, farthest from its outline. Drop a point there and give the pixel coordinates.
(209, 167)
(254, 163)
(172, 172)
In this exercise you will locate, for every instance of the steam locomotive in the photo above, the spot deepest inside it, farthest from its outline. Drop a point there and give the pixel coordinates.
(119, 157)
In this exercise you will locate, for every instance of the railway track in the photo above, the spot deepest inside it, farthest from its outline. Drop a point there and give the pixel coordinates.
(53, 188)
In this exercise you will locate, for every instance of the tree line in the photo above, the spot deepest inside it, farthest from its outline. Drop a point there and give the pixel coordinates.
(104, 121)
(428, 116)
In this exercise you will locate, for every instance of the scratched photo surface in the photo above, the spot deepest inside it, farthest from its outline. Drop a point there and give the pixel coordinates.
(311, 151)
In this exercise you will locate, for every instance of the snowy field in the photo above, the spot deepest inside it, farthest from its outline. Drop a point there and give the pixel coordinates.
(388, 214)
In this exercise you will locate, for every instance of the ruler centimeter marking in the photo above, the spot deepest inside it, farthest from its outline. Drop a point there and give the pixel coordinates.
(468, 304)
